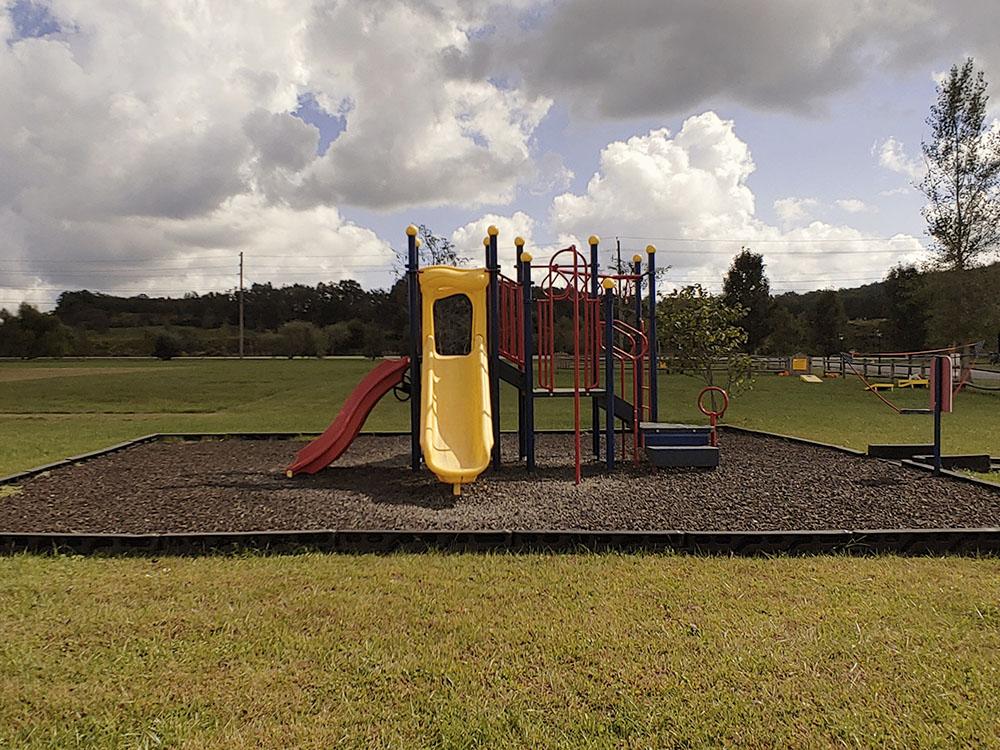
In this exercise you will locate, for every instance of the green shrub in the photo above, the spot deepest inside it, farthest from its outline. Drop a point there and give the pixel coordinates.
(301, 339)
(166, 346)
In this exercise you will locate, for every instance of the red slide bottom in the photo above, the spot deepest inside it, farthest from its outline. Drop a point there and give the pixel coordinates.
(329, 446)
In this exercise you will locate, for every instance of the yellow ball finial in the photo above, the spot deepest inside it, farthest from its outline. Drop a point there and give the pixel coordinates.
(650, 249)
(492, 231)
(411, 231)
(418, 243)
(486, 241)
(594, 240)
(519, 241)
(637, 258)
(526, 257)
(608, 284)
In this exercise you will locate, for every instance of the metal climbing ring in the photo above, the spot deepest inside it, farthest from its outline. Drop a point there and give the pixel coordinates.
(713, 415)
(710, 412)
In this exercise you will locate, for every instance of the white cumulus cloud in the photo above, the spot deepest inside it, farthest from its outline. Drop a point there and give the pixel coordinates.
(689, 193)
(469, 238)
(892, 155)
(792, 210)
(163, 133)
(852, 205)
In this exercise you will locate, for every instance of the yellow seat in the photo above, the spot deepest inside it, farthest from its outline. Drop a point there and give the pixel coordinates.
(880, 387)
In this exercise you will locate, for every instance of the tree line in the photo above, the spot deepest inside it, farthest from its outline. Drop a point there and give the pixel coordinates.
(911, 309)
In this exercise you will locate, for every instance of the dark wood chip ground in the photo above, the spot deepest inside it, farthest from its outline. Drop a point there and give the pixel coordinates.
(235, 485)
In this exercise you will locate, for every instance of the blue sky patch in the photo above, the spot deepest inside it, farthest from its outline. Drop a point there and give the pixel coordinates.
(330, 126)
(32, 20)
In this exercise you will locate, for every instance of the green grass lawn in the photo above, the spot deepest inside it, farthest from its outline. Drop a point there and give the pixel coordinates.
(54, 410)
(478, 650)
(460, 651)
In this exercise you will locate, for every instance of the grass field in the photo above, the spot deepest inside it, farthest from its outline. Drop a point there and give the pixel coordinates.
(477, 650)
(58, 409)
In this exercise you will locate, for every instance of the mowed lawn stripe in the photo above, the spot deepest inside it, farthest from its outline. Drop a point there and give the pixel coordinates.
(499, 651)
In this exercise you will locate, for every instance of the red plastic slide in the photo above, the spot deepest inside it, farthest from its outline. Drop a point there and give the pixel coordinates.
(329, 446)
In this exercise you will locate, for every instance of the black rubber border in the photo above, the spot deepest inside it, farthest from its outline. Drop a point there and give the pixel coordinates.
(974, 541)
(967, 542)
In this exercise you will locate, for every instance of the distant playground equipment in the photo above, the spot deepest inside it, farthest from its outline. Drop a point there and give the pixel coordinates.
(801, 364)
(455, 395)
(944, 372)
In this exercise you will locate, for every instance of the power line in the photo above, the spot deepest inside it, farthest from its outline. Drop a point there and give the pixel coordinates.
(788, 240)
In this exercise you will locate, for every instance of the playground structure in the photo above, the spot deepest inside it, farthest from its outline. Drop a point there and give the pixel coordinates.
(511, 337)
(944, 372)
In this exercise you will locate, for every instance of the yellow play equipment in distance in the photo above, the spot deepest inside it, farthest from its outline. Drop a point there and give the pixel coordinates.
(456, 432)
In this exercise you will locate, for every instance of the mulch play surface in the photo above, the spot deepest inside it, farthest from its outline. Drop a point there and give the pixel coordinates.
(238, 485)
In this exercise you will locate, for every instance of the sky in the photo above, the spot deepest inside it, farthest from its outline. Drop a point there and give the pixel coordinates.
(143, 146)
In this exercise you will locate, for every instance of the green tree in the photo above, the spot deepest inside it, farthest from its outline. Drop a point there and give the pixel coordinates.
(301, 339)
(826, 322)
(787, 335)
(906, 294)
(962, 184)
(746, 287)
(374, 346)
(702, 337)
(964, 306)
(437, 250)
(32, 333)
(338, 337)
(166, 346)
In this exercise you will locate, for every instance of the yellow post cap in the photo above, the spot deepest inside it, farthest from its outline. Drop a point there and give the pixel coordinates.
(608, 283)
(492, 231)
(418, 242)
(411, 231)
(486, 241)
(637, 258)
(519, 241)
(526, 257)
(594, 239)
(650, 249)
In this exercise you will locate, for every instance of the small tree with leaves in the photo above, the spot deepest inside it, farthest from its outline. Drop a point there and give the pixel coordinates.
(746, 286)
(962, 184)
(702, 337)
(434, 250)
(166, 346)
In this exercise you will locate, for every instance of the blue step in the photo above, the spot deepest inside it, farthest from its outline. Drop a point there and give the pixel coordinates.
(683, 456)
(676, 438)
(673, 428)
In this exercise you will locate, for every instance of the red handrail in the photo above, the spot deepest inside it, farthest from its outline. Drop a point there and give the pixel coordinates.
(634, 348)
(511, 320)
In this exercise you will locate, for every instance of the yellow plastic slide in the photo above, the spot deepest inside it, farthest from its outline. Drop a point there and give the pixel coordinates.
(456, 432)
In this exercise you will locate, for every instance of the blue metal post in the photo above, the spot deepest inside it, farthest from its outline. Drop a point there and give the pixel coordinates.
(654, 403)
(524, 260)
(609, 374)
(413, 302)
(520, 390)
(595, 409)
(639, 374)
(493, 267)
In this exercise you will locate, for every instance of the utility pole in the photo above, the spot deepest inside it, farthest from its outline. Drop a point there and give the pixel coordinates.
(241, 304)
